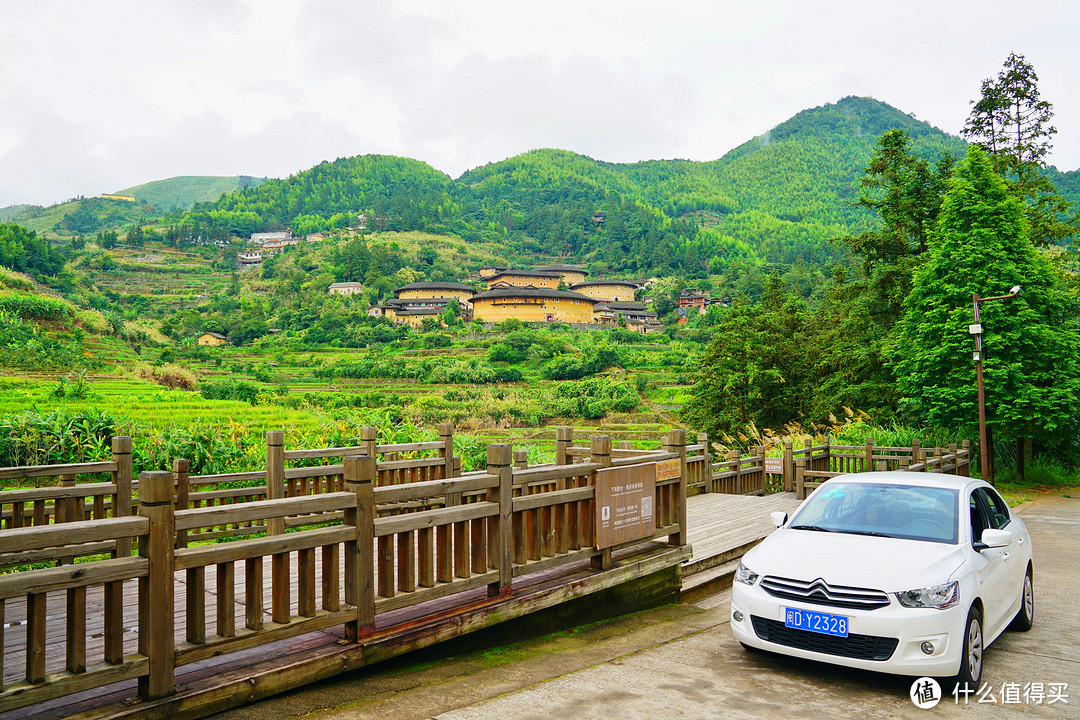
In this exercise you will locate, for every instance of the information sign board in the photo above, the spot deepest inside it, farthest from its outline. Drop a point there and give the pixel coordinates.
(625, 499)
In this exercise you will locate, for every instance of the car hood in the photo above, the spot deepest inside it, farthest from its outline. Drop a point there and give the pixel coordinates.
(878, 563)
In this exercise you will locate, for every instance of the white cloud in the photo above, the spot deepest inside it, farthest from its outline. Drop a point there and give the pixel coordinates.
(103, 95)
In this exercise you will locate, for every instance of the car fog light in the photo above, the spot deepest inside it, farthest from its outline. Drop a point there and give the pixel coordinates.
(737, 616)
(928, 648)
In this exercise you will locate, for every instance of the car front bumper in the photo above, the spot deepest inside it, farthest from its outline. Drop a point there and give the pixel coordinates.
(870, 634)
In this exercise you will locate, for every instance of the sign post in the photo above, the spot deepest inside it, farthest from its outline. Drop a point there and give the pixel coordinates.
(625, 498)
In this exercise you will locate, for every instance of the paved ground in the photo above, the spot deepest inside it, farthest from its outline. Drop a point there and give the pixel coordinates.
(682, 662)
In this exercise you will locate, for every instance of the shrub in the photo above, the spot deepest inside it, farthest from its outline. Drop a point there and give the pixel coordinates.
(35, 307)
(171, 376)
(230, 390)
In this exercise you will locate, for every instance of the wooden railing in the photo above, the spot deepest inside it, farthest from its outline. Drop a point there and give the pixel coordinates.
(366, 539)
(64, 499)
(814, 465)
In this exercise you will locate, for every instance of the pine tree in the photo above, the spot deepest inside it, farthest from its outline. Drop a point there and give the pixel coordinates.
(1011, 122)
(981, 245)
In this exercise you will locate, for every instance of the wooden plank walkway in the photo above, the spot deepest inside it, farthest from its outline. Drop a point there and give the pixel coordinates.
(719, 525)
(723, 527)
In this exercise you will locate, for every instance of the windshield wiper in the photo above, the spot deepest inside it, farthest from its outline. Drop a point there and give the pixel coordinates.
(868, 532)
(815, 528)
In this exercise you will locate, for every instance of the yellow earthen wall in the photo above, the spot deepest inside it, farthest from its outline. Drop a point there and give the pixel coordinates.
(609, 293)
(523, 281)
(536, 310)
(463, 296)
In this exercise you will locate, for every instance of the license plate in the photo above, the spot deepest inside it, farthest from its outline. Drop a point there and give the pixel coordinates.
(824, 623)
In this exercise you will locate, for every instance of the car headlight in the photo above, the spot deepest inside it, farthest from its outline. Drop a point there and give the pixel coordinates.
(938, 596)
(744, 574)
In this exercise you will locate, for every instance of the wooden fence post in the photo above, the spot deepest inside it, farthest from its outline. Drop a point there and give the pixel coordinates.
(600, 452)
(280, 573)
(114, 591)
(915, 450)
(156, 601)
(359, 474)
(789, 466)
(275, 476)
(676, 441)
(181, 468)
(446, 452)
(868, 461)
(706, 465)
(734, 456)
(800, 486)
(499, 530)
(564, 438)
(521, 459)
(759, 451)
(966, 448)
(444, 534)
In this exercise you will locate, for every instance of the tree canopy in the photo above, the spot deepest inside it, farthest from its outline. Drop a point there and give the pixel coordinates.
(982, 245)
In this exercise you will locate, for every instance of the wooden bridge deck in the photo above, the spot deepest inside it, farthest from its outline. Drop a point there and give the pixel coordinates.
(721, 526)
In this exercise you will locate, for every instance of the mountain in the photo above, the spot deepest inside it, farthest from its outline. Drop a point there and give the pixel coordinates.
(89, 215)
(184, 191)
(778, 198)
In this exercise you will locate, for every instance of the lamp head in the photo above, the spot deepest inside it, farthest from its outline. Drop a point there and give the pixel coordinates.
(1015, 292)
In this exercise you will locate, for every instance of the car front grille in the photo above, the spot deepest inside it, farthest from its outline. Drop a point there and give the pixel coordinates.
(818, 592)
(859, 647)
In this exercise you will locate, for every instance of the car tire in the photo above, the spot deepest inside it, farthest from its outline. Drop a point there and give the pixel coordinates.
(971, 661)
(1025, 616)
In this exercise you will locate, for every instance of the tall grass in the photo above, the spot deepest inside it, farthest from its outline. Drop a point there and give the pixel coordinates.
(29, 306)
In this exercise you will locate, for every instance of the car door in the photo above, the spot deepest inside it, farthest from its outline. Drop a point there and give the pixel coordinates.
(1014, 555)
(990, 564)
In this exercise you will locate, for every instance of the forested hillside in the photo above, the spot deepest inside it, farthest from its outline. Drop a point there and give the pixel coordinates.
(779, 198)
(90, 215)
(184, 191)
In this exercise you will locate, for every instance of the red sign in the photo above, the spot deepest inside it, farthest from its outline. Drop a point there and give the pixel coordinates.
(668, 469)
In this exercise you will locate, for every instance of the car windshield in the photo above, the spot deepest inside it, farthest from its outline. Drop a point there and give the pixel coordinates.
(888, 510)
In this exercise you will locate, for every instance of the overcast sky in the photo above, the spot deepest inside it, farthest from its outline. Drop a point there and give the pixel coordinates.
(99, 96)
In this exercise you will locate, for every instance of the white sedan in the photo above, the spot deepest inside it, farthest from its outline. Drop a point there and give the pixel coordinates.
(899, 572)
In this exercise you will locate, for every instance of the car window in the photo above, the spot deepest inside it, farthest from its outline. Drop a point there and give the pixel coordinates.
(888, 509)
(999, 510)
(978, 517)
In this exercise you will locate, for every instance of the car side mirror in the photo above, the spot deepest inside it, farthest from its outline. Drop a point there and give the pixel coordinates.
(778, 517)
(995, 538)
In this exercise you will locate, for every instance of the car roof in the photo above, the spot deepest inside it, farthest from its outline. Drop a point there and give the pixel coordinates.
(902, 477)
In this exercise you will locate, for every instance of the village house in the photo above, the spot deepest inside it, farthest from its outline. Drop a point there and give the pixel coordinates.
(274, 242)
(346, 288)
(633, 315)
(489, 270)
(419, 291)
(212, 339)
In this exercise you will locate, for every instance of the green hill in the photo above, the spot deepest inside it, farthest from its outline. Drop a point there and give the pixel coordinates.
(185, 190)
(778, 198)
(83, 216)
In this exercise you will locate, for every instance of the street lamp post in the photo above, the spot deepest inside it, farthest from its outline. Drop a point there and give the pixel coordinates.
(985, 469)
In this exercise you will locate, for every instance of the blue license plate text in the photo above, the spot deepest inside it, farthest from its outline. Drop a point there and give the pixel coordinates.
(836, 625)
